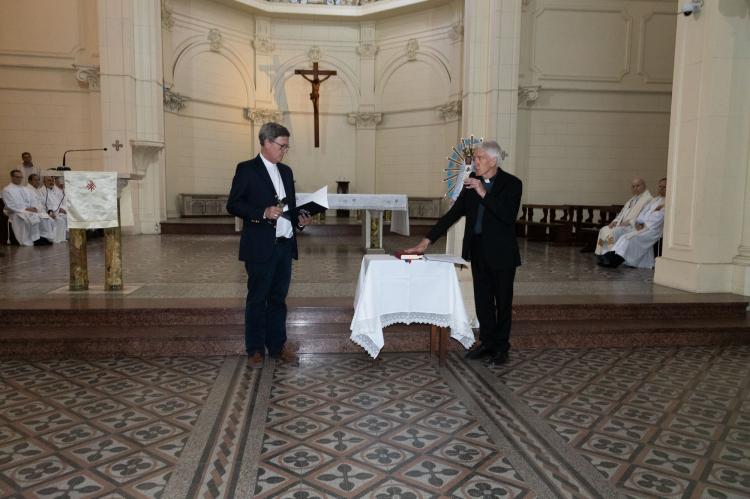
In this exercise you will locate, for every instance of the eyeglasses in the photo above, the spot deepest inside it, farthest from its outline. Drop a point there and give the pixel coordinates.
(17, 176)
(284, 147)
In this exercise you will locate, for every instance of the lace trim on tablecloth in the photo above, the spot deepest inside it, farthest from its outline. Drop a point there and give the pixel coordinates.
(364, 330)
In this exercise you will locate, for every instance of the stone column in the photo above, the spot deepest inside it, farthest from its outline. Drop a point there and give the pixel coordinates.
(705, 223)
(491, 45)
(365, 118)
(132, 102)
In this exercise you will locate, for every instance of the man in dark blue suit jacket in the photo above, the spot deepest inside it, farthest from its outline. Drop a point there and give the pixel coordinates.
(490, 202)
(263, 197)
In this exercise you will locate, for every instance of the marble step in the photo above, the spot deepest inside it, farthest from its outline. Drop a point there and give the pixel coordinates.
(24, 342)
(67, 312)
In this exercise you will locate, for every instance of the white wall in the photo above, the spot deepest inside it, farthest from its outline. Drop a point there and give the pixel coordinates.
(602, 112)
(43, 108)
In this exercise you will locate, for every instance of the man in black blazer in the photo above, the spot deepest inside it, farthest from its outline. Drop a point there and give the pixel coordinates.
(489, 201)
(263, 197)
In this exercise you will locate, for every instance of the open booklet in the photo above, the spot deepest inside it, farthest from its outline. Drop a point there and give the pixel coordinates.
(312, 203)
(446, 258)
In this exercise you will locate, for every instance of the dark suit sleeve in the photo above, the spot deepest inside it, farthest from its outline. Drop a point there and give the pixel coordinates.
(446, 221)
(239, 203)
(504, 204)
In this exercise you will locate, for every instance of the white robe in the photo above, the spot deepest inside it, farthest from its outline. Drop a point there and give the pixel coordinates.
(624, 222)
(54, 199)
(46, 224)
(25, 224)
(637, 246)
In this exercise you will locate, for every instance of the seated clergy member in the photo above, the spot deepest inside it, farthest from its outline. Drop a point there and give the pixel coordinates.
(53, 199)
(46, 224)
(21, 209)
(636, 247)
(624, 220)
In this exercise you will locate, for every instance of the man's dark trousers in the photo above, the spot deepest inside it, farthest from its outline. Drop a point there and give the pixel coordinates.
(493, 299)
(265, 305)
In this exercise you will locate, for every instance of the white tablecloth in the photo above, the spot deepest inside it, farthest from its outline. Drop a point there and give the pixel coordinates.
(391, 291)
(397, 203)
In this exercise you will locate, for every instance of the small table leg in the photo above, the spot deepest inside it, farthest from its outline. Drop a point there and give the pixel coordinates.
(439, 343)
(443, 345)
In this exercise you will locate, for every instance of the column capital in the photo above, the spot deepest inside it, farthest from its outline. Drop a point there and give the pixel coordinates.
(88, 75)
(262, 116)
(367, 50)
(365, 120)
(528, 94)
(450, 110)
(263, 44)
(174, 101)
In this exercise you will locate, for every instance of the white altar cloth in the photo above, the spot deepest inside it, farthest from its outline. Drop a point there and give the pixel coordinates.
(397, 203)
(390, 291)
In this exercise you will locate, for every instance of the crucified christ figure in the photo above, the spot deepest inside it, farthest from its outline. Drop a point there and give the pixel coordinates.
(315, 81)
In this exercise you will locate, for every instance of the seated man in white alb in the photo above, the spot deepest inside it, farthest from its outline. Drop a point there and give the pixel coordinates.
(21, 210)
(636, 248)
(54, 204)
(624, 220)
(46, 224)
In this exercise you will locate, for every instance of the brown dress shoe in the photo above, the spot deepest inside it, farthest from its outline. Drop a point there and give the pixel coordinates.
(287, 356)
(255, 361)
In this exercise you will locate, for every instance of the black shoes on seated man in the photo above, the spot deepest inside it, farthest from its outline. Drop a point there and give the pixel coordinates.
(481, 351)
(610, 260)
(42, 241)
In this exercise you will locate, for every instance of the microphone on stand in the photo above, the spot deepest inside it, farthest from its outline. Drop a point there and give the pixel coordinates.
(63, 167)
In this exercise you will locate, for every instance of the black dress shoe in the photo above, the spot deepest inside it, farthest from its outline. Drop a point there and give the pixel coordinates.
(499, 359)
(480, 352)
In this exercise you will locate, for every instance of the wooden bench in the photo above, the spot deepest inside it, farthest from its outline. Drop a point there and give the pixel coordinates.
(546, 222)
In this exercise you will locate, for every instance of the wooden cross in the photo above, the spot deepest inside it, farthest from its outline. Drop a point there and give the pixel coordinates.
(315, 81)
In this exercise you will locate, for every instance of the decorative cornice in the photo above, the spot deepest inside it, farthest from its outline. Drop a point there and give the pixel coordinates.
(263, 44)
(412, 46)
(367, 50)
(88, 75)
(450, 111)
(326, 2)
(214, 39)
(457, 32)
(261, 116)
(527, 94)
(174, 101)
(314, 54)
(364, 120)
(167, 21)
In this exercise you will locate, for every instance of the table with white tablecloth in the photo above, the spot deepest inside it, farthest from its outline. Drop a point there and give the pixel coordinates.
(373, 206)
(391, 291)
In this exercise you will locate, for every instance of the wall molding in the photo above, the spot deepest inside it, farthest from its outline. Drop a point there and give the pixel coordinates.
(640, 67)
(547, 75)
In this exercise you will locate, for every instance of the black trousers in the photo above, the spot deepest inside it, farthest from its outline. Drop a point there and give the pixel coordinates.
(265, 305)
(493, 298)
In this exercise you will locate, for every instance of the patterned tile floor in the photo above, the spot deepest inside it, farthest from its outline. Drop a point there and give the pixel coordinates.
(652, 422)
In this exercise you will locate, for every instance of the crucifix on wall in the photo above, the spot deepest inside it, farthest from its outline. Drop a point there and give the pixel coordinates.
(315, 81)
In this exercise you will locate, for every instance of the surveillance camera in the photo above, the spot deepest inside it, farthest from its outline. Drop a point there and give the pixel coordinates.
(689, 8)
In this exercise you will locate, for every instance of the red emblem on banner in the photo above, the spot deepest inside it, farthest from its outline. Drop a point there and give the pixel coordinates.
(91, 186)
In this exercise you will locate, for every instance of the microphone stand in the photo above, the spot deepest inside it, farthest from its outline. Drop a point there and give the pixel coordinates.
(79, 150)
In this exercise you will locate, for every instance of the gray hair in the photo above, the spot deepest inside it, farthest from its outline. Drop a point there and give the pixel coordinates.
(493, 149)
(270, 131)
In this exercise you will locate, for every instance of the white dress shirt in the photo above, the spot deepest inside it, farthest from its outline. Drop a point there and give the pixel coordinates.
(283, 225)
